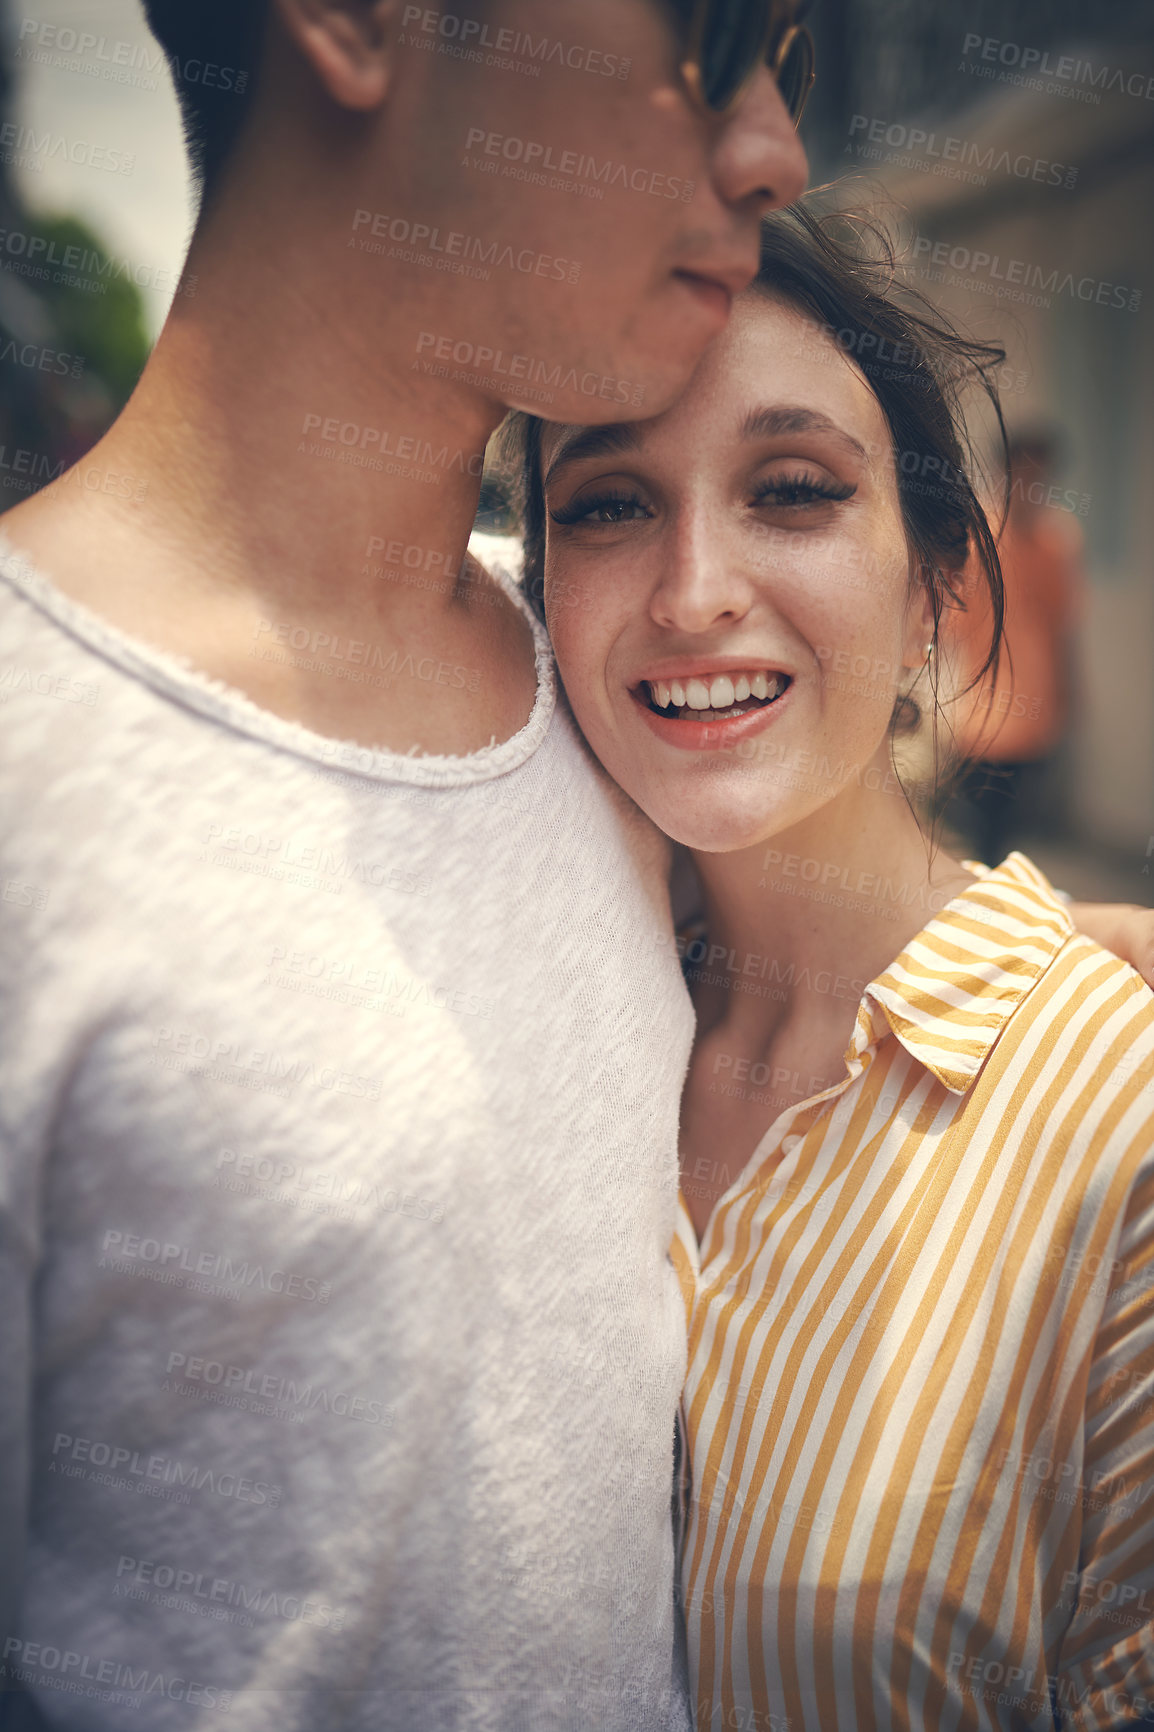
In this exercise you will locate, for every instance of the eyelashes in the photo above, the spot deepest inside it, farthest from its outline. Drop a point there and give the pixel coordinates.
(790, 490)
(583, 508)
(786, 492)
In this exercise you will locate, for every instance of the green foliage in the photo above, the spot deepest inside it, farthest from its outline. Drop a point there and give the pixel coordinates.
(107, 328)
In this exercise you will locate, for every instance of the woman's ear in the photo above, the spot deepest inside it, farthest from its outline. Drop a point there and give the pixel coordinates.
(350, 45)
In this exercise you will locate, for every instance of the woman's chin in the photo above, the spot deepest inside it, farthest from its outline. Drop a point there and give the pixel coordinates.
(718, 834)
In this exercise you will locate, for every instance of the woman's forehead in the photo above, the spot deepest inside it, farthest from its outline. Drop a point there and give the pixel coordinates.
(770, 352)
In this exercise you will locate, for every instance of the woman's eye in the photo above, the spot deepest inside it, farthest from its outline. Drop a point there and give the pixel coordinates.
(801, 490)
(606, 508)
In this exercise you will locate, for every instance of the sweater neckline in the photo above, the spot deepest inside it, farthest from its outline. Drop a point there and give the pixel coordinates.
(177, 679)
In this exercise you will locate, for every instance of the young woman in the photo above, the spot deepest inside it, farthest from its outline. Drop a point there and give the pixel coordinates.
(917, 1241)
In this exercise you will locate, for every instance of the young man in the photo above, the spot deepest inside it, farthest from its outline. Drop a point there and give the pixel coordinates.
(338, 1081)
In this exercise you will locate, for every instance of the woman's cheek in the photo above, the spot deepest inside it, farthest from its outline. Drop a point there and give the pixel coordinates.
(572, 620)
(566, 592)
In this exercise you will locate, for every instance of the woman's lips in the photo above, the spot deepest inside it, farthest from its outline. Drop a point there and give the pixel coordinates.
(711, 736)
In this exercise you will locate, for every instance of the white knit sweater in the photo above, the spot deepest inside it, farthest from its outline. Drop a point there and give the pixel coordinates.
(338, 1102)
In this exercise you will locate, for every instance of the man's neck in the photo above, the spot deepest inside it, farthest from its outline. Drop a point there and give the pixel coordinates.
(298, 478)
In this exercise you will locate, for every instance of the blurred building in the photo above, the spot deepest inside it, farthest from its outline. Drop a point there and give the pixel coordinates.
(1017, 145)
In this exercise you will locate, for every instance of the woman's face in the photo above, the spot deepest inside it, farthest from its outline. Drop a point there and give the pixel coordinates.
(727, 587)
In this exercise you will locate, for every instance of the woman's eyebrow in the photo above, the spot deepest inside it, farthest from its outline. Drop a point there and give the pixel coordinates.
(794, 418)
(594, 442)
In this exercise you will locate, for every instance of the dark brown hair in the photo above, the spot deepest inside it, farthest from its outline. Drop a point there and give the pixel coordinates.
(213, 49)
(841, 269)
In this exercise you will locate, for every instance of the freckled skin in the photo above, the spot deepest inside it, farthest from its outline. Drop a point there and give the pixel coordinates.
(698, 566)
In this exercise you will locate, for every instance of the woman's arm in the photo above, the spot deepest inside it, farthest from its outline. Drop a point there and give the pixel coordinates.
(1122, 927)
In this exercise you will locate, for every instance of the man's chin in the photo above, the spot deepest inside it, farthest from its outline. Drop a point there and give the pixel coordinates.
(605, 397)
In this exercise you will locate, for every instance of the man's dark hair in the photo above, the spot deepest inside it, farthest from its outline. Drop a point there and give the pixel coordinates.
(213, 49)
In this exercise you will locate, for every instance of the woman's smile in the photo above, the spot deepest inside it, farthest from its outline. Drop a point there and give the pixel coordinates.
(706, 710)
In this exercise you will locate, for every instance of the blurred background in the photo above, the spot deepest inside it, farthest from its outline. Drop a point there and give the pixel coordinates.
(1013, 144)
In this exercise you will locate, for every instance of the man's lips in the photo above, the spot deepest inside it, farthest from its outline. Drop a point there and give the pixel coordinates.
(721, 279)
(708, 292)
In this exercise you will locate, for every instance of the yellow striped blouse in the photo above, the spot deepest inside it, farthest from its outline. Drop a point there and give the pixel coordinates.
(920, 1400)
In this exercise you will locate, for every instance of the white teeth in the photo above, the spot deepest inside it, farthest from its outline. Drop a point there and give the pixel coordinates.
(718, 694)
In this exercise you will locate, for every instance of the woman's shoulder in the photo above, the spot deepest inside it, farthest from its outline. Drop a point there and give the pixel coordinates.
(1003, 983)
(1100, 999)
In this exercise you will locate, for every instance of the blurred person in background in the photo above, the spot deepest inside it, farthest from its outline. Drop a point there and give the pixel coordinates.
(1012, 727)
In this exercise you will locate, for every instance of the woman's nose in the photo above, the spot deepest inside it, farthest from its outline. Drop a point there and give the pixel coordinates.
(701, 584)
